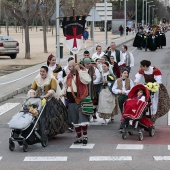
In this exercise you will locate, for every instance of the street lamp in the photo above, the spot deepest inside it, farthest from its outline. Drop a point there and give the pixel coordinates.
(136, 14)
(153, 15)
(143, 12)
(149, 12)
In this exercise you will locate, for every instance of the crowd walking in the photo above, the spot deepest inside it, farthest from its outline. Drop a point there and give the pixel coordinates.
(98, 86)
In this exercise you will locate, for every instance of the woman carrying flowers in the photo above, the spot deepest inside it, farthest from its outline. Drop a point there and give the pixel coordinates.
(106, 103)
(160, 99)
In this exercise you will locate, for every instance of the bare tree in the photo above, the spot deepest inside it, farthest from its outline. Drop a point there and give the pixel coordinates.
(46, 11)
(23, 11)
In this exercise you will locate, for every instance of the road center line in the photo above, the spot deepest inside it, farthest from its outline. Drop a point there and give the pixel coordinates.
(6, 107)
(110, 158)
(0, 158)
(46, 159)
(161, 158)
(130, 146)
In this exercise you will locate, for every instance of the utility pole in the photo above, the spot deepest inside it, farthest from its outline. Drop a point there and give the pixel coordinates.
(105, 21)
(58, 31)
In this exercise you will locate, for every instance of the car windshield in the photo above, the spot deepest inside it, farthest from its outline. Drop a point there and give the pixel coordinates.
(2, 38)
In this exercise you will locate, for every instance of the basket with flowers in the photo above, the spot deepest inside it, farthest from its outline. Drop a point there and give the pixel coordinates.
(152, 87)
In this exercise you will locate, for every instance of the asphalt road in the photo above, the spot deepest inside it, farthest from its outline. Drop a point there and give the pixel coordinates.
(108, 149)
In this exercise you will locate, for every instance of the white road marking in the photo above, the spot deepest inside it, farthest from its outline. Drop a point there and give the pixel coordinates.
(161, 158)
(168, 147)
(0, 158)
(110, 158)
(6, 107)
(47, 159)
(169, 118)
(130, 146)
(80, 146)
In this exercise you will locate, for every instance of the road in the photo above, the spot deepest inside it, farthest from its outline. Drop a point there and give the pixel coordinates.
(107, 150)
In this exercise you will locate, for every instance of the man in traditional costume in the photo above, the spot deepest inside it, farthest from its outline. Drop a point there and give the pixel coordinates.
(160, 100)
(76, 89)
(121, 87)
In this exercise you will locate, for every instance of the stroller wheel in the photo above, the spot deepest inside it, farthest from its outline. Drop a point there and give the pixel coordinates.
(130, 133)
(11, 146)
(152, 131)
(25, 147)
(124, 136)
(44, 141)
(140, 136)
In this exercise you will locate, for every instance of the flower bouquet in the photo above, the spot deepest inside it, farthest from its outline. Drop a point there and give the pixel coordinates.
(152, 87)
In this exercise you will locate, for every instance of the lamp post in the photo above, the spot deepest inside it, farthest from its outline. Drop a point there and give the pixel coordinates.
(153, 15)
(136, 14)
(149, 12)
(57, 31)
(143, 12)
(105, 21)
(125, 16)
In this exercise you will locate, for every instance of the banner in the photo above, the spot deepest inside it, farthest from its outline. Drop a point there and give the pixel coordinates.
(73, 30)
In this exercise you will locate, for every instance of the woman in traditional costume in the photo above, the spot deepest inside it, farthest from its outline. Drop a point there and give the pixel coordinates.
(54, 119)
(106, 103)
(56, 69)
(160, 100)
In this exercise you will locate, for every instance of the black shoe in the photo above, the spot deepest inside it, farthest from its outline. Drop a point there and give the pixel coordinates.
(78, 141)
(85, 141)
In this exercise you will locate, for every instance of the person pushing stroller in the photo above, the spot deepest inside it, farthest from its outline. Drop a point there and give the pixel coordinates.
(134, 115)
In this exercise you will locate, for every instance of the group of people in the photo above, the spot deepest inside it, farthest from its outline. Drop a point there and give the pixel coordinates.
(153, 38)
(97, 84)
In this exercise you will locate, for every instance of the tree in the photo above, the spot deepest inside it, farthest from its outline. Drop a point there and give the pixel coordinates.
(24, 11)
(46, 11)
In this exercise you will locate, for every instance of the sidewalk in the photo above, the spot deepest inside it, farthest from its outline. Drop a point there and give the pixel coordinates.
(20, 81)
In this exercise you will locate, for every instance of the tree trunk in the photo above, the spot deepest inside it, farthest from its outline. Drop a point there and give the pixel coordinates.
(45, 35)
(27, 41)
(7, 24)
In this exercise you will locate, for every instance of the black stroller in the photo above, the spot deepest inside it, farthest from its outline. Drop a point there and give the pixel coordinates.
(26, 127)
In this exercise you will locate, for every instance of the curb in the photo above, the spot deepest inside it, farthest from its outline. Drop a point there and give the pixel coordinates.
(27, 87)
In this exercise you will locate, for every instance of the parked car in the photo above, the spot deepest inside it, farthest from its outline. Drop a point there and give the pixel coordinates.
(8, 46)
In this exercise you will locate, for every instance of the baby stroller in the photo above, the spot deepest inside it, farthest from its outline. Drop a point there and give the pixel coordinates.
(134, 116)
(25, 125)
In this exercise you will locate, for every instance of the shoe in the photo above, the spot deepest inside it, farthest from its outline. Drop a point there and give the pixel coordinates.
(104, 122)
(70, 129)
(121, 130)
(85, 141)
(78, 141)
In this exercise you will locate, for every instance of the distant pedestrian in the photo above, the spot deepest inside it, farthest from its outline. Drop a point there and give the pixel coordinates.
(121, 30)
(85, 36)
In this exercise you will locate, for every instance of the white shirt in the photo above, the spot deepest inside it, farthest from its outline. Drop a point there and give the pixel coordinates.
(98, 77)
(115, 89)
(131, 58)
(95, 55)
(138, 77)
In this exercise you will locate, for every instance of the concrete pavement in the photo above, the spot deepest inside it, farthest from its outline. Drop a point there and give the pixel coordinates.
(20, 81)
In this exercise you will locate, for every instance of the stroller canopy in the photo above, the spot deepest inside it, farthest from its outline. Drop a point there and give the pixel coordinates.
(134, 91)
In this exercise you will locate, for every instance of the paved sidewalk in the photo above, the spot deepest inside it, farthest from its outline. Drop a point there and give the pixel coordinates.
(20, 81)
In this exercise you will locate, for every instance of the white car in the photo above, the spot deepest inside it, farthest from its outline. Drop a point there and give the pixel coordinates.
(8, 46)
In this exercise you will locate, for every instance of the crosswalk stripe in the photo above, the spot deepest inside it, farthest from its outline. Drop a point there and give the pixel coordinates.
(0, 158)
(46, 159)
(161, 158)
(168, 147)
(6, 107)
(80, 146)
(130, 146)
(110, 158)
